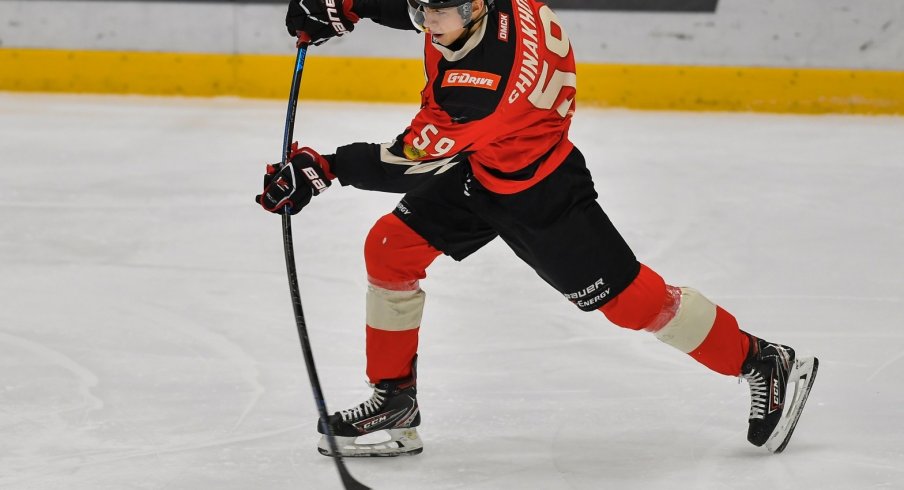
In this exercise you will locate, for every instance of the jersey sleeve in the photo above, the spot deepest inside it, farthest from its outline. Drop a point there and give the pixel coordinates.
(384, 167)
(390, 13)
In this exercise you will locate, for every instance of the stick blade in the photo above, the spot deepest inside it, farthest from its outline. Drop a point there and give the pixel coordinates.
(349, 481)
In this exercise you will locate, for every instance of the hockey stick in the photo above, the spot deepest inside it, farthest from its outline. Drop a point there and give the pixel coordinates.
(347, 479)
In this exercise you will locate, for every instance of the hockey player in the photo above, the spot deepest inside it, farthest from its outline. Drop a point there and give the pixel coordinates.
(488, 156)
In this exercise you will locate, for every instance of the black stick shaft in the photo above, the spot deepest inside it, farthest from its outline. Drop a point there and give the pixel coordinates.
(347, 479)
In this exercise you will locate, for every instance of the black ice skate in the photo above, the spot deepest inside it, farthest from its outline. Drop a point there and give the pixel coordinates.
(779, 386)
(392, 408)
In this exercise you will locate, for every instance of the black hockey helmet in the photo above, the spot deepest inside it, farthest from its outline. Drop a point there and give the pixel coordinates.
(463, 7)
(440, 4)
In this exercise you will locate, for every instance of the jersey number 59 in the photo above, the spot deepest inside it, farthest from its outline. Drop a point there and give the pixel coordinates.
(550, 86)
(423, 141)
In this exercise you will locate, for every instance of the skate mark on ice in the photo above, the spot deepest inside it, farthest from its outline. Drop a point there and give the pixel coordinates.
(890, 464)
(108, 458)
(223, 346)
(86, 378)
(885, 365)
(53, 264)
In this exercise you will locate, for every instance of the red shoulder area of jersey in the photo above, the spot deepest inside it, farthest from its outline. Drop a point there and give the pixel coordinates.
(524, 66)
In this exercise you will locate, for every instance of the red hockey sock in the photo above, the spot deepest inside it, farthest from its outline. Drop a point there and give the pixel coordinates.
(682, 318)
(725, 347)
(389, 354)
(396, 259)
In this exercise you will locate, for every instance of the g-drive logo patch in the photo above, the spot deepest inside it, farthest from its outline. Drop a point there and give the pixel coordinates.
(471, 78)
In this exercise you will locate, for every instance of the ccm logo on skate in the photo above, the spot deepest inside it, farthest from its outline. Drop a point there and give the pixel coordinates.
(375, 421)
(776, 397)
(334, 17)
(477, 79)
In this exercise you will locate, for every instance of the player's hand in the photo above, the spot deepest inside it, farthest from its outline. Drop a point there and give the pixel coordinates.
(291, 187)
(316, 21)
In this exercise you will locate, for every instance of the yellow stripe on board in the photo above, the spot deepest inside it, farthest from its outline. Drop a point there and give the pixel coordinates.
(780, 90)
(708, 88)
(261, 76)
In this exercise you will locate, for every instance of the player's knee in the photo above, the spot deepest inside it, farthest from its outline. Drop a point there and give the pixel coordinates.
(377, 248)
(641, 304)
(382, 251)
(394, 253)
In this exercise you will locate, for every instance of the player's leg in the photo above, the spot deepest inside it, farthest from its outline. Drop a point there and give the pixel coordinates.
(685, 319)
(432, 220)
(581, 253)
(396, 259)
(399, 248)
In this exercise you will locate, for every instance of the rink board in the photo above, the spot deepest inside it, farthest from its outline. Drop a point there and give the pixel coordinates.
(774, 89)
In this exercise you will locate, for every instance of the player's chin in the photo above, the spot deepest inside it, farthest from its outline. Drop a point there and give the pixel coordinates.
(444, 39)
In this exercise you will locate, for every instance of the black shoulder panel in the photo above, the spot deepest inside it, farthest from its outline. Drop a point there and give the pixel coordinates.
(494, 55)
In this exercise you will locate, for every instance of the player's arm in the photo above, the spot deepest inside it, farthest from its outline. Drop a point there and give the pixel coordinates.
(433, 143)
(390, 13)
(384, 167)
(317, 21)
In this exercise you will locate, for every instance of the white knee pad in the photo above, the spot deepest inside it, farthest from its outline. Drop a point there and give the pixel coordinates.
(692, 322)
(392, 310)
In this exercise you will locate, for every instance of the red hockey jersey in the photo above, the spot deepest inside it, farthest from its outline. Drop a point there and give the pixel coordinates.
(503, 99)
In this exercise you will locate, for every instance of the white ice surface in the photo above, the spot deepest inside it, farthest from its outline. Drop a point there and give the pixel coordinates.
(147, 340)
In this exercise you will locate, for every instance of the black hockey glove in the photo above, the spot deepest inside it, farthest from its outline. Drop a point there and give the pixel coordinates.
(306, 175)
(316, 21)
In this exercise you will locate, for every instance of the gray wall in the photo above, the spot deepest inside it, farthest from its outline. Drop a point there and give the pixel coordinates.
(801, 33)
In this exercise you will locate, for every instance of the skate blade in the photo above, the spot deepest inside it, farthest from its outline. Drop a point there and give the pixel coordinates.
(803, 374)
(402, 442)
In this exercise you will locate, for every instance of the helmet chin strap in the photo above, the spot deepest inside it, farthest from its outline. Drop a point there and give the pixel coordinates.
(471, 22)
(487, 5)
